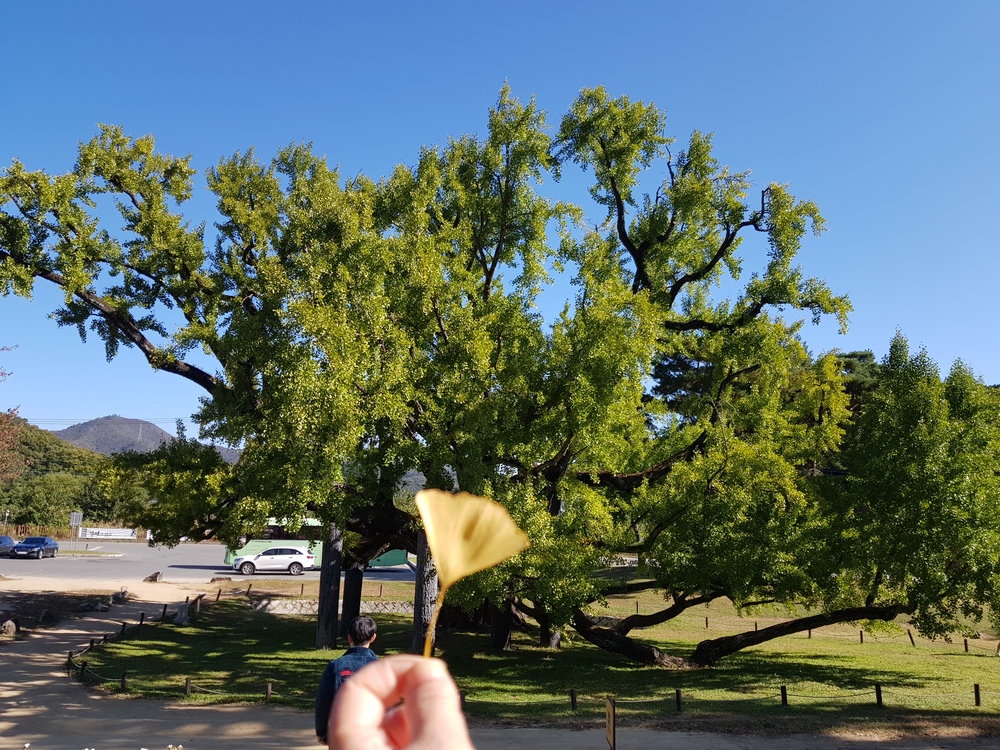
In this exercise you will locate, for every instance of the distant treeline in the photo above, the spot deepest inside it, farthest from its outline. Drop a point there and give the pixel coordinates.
(57, 479)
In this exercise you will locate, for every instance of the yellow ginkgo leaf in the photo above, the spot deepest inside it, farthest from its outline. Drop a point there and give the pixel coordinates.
(467, 533)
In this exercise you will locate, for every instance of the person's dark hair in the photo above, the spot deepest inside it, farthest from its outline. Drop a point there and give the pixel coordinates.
(362, 630)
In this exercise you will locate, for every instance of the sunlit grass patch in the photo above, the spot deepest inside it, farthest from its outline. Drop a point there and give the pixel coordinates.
(231, 653)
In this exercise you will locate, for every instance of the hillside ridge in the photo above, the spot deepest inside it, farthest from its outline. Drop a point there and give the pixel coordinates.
(115, 434)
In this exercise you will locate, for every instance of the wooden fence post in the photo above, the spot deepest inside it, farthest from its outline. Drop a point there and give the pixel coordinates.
(123, 629)
(677, 698)
(572, 700)
(164, 615)
(609, 722)
(461, 700)
(784, 695)
(218, 595)
(124, 682)
(912, 642)
(187, 686)
(267, 693)
(810, 633)
(966, 640)
(878, 695)
(975, 690)
(142, 617)
(249, 586)
(862, 635)
(197, 606)
(706, 623)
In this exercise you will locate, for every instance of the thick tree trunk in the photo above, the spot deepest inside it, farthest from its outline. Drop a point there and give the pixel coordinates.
(424, 594)
(548, 637)
(709, 652)
(500, 626)
(616, 643)
(354, 579)
(329, 589)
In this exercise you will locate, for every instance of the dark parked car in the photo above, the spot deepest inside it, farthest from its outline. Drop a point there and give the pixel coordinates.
(37, 547)
(6, 545)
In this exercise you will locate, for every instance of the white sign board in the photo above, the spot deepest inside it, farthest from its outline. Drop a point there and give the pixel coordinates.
(75, 519)
(86, 532)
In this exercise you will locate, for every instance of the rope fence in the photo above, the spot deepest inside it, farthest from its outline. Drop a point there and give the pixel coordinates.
(180, 615)
(877, 695)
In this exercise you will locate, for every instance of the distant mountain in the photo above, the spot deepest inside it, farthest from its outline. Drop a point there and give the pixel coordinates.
(115, 434)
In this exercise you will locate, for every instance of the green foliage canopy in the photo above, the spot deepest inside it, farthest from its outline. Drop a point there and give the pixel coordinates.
(346, 331)
(919, 516)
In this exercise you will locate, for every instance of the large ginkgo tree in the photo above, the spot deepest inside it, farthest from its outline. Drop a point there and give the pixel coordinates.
(347, 331)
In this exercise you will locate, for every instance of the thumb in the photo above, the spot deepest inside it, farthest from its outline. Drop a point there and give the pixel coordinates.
(433, 708)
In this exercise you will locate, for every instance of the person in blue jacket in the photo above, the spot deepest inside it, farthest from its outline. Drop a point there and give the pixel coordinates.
(360, 635)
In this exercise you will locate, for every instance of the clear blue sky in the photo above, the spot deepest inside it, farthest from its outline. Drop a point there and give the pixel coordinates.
(886, 114)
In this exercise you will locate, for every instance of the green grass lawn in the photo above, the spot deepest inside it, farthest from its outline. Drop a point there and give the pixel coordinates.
(401, 591)
(231, 653)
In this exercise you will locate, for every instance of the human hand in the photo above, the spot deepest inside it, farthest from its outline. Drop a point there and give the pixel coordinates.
(400, 702)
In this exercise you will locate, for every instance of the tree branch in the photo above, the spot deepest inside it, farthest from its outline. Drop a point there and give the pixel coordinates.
(608, 640)
(709, 652)
(626, 482)
(676, 608)
(638, 256)
(695, 276)
(126, 325)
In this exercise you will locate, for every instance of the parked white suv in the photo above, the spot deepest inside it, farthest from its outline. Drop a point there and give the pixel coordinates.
(292, 559)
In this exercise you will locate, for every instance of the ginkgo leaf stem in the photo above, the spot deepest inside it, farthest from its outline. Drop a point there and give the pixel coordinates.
(432, 626)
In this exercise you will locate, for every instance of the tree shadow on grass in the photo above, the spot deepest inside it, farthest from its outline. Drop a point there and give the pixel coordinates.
(236, 651)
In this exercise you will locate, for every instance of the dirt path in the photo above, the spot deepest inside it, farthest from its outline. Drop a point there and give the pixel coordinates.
(41, 705)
